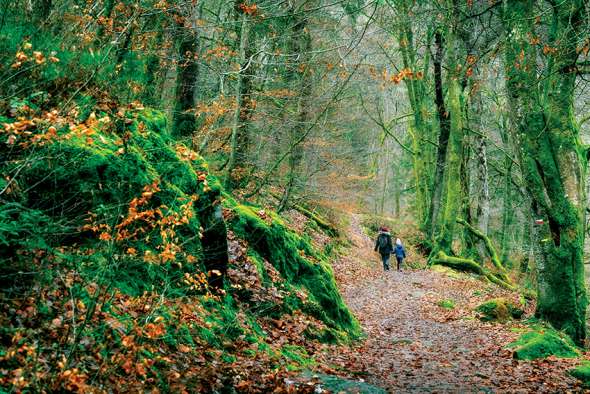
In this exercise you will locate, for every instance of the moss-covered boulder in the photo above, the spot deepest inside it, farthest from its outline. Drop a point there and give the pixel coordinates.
(542, 343)
(498, 309)
(126, 196)
(582, 373)
(295, 259)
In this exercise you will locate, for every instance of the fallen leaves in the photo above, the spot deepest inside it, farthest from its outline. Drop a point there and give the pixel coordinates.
(415, 344)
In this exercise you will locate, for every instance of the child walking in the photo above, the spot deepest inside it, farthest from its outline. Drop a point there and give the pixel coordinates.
(400, 253)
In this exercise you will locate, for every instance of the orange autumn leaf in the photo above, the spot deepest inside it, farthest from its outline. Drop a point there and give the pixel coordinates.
(105, 237)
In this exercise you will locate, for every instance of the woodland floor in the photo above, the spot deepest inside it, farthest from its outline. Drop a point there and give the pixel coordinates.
(415, 345)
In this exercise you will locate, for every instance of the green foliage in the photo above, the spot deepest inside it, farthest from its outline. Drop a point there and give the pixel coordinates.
(298, 355)
(77, 189)
(543, 342)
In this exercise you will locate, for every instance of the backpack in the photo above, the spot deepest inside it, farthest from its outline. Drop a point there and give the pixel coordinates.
(383, 243)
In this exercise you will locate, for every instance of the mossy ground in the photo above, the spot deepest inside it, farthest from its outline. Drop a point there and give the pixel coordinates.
(114, 219)
(446, 304)
(296, 260)
(582, 373)
(542, 342)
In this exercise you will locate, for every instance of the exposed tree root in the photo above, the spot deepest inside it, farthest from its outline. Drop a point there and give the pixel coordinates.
(490, 249)
(470, 265)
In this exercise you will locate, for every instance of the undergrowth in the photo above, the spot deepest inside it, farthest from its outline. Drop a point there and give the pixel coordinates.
(107, 232)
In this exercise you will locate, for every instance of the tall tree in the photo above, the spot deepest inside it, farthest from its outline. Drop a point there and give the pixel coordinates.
(240, 133)
(187, 37)
(553, 160)
(298, 73)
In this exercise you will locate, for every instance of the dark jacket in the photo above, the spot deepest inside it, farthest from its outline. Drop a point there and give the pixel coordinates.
(388, 247)
(400, 252)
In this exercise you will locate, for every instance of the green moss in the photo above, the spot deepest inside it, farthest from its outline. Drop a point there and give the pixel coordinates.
(498, 309)
(298, 355)
(296, 260)
(447, 304)
(73, 176)
(451, 273)
(541, 343)
(258, 261)
(582, 373)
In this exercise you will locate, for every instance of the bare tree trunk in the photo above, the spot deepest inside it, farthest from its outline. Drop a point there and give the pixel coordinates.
(300, 47)
(240, 138)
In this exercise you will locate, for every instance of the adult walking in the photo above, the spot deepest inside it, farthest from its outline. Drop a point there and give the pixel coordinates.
(384, 246)
(400, 253)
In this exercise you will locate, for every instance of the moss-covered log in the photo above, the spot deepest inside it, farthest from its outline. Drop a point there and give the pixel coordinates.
(469, 265)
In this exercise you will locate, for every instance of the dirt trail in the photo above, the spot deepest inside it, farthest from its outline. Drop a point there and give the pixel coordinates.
(415, 345)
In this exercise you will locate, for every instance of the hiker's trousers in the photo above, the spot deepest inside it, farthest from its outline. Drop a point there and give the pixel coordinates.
(385, 258)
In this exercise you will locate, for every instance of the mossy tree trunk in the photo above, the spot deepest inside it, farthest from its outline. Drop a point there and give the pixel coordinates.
(553, 161)
(451, 199)
(481, 195)
(152, 88)
(420, 127)
(453, 120)
(240, 136)
(444, 123)
(187, 74)
(214, 242)
(507, 203)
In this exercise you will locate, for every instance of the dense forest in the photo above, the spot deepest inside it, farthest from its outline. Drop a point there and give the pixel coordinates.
(190, 193)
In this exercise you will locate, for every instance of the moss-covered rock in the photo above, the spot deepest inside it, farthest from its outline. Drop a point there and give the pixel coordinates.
(295, 259)
(541, 343)
(582, 373)
(498, 309)
(335, 384)
(135, 193)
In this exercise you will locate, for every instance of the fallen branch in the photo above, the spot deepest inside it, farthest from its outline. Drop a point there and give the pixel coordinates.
(323, 224)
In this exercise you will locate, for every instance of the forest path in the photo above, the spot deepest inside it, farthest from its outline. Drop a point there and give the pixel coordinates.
(414, 345)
